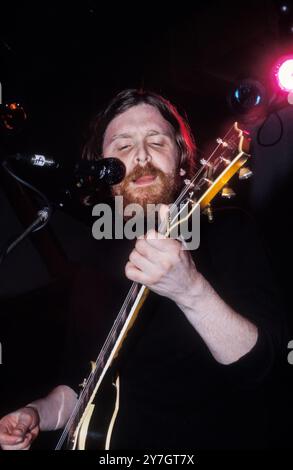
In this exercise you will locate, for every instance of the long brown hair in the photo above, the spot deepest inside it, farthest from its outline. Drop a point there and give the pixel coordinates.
(125, 100)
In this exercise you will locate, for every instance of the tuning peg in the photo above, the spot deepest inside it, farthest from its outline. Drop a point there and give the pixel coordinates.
(188, 182)
(244, 173)
(83, 383)
(208, 211)
(204, 162)
(208, 180)
(225, 160)
(228, 192)
(222, 142)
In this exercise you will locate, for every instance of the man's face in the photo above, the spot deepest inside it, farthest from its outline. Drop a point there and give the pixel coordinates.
(144, 141)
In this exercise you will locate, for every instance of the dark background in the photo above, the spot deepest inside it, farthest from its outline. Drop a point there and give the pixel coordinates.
(62, 62)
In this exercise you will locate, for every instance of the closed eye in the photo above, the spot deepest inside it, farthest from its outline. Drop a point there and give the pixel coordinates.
(124, 147)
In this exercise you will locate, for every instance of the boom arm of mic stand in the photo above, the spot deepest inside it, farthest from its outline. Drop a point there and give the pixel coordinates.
(42, 219)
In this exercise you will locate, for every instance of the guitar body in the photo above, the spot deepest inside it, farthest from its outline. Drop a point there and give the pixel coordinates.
(96, 425)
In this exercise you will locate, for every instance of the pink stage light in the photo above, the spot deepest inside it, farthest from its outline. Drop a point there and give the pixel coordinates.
(284, 74)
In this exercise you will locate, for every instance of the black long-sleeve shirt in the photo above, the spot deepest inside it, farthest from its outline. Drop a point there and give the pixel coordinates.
(173, 393)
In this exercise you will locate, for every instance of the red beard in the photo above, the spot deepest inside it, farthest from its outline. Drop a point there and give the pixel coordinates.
(162, 191)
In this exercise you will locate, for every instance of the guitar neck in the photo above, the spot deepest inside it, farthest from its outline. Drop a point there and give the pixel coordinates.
(134, 301)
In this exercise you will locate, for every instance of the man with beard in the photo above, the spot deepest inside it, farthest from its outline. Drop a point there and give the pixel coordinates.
(207, 337)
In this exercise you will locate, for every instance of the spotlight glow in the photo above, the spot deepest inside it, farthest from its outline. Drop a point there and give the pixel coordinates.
(284, 75)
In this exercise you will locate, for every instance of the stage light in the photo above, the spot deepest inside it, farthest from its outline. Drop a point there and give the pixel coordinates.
(247, 100)
(12, 116)
(246, 95)
(284, 74)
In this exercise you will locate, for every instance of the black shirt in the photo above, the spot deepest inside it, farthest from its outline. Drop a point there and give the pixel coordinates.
(174, 394)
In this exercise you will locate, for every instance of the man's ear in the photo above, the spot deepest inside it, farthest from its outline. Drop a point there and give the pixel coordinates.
(182, 172)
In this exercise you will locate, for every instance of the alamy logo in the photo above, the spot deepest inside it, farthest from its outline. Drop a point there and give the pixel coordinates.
(132, 221)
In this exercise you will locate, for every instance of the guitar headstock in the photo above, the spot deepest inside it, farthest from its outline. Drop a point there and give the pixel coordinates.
(228, 157)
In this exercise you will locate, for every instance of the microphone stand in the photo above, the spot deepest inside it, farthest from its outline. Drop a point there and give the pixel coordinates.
(110, 171)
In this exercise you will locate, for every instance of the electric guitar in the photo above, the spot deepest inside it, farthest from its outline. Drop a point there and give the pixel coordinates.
(228, 157)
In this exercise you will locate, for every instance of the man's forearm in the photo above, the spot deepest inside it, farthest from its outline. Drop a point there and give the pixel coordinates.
(55, 409)
(227, 334)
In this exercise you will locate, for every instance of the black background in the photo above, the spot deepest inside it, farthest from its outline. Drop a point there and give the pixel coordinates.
(62, 62)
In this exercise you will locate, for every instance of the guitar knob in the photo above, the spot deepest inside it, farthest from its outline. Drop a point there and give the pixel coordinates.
(244, 173)
(227, 192)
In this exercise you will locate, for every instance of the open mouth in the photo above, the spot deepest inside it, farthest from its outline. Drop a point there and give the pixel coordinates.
(145, 180)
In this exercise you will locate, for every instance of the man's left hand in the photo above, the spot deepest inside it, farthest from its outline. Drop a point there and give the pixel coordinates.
(161, 264)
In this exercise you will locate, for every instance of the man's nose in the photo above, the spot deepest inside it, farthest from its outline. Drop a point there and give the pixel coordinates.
(142, 156)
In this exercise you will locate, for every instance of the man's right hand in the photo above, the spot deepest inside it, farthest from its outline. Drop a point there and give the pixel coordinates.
(19, 429)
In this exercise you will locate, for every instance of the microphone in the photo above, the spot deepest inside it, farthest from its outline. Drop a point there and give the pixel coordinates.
(36, 160)
(106, 171)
